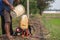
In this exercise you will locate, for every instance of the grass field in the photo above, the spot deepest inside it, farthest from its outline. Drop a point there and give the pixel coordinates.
(51, 22)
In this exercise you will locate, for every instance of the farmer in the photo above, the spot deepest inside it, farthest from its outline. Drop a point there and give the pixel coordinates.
(6, 20)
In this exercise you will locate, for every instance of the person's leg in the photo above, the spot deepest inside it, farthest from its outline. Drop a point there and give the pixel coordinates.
(2, 24)
(7, 24)
(11, 30)
(23, 33)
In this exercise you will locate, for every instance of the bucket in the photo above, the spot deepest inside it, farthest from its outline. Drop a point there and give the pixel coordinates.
(18, 11)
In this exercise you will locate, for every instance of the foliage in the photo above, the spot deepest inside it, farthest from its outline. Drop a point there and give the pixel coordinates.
(37, 5)
(44, 4)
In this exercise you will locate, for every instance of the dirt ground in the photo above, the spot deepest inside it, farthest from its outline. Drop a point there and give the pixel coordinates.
(38, 30)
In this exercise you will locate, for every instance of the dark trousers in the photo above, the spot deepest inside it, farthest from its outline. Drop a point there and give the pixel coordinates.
(3, 25)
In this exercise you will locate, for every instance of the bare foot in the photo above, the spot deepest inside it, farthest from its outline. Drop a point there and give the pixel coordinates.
(10, 37)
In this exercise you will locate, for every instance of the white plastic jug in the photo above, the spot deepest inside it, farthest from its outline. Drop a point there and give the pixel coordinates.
(24, 22)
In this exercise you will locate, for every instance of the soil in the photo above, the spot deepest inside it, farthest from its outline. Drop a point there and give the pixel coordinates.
(38, 31)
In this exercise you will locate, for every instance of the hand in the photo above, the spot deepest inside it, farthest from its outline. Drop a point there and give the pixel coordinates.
(11, 7)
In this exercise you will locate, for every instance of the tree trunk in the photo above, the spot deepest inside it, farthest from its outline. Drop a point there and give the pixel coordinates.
(40, 12)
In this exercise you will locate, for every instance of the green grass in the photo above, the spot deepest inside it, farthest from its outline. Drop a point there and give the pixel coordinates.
(53, 26)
